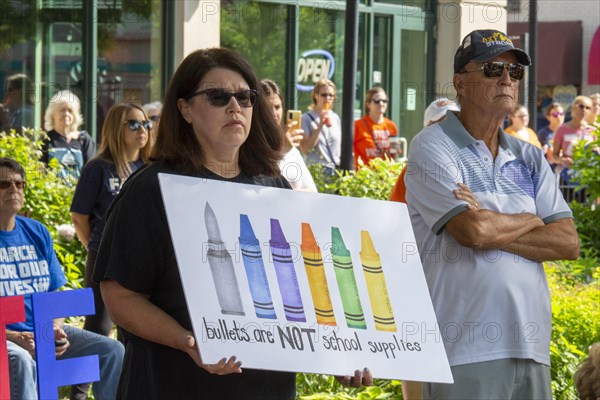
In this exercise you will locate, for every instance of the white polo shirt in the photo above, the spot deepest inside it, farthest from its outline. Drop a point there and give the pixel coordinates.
(490, 304)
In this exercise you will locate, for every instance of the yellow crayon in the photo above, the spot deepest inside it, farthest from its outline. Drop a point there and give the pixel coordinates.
(378, 294)
(315, 272)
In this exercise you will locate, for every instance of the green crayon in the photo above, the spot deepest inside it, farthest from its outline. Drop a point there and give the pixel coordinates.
(344, 274)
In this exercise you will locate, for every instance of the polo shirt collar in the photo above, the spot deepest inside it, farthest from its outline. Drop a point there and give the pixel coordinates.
(455, 130)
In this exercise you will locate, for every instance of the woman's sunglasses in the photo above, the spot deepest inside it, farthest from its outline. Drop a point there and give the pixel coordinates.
(557, 114)
(379, 101)
(221, 97)
(4, 184)
(134, 124)
(496, 69)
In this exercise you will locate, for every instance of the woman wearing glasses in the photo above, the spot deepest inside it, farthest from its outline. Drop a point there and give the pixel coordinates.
(373, 132)
(125, 148)
(213, 126)
(71, 147)
(572, 132)
(555, 114)
(322, 127)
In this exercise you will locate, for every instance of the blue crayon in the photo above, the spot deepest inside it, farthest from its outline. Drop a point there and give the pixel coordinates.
(255, 270)
(286, 274)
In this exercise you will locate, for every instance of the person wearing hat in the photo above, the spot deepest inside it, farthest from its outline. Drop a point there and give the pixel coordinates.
(486, 211)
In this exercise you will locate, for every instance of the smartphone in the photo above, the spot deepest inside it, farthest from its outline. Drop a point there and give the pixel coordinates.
(294, 115)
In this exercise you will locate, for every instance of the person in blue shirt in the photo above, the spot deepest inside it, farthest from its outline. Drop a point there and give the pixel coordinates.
(29, 265)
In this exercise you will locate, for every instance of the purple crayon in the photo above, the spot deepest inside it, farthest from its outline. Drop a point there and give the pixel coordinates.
(286, 274)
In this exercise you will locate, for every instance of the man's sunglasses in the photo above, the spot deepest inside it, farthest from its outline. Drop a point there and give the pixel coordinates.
(583, 106)
(379, 101)
(4, 184)
(496, 69)
(221, 97)
(154, 118)
(134, 124)
(557, 114)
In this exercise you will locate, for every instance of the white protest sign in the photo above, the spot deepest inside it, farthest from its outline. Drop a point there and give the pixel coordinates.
(306, 282)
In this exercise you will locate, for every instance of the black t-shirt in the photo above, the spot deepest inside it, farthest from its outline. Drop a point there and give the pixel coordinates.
(98, 185)
(137, 252)
(72, 155)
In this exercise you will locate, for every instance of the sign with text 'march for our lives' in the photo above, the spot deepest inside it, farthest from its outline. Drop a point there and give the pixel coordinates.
(305, 282)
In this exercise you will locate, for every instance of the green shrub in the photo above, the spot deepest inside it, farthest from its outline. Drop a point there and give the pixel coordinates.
(586, 164)
(373, 181)
(575, 320)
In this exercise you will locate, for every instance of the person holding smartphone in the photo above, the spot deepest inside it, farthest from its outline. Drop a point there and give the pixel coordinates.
(292, 166)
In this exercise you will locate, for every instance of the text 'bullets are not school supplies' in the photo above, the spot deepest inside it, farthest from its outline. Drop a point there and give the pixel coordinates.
(221, 267)
(315, 272)
(344, 275)
(286, 274)
(255, 270)
(378, 294)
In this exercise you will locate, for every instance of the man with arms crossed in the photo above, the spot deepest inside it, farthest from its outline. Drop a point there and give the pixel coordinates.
(486, 212)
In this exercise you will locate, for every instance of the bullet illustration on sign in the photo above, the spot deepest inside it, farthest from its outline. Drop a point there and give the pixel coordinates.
(344, 275)
(315, 272)
(221, 267)
(255, 270)
(378, 294)
(286, 274)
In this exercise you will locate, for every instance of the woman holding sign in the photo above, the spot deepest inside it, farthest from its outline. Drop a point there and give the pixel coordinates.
(214, 125)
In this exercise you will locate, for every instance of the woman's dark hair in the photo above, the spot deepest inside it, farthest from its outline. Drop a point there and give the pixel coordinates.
(12, 165)
(176, 142)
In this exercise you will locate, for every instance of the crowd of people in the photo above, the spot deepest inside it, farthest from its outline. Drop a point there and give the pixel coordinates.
(220, 122)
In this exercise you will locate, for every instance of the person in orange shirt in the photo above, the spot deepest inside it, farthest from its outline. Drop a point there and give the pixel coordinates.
(519, 119)
(372, 133)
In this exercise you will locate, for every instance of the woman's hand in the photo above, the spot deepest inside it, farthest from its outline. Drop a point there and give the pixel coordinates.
(293, 135)
(223, 367)
(464, 193)
(360, 378)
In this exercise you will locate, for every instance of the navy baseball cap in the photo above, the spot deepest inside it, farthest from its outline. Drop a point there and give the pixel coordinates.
(483, 45)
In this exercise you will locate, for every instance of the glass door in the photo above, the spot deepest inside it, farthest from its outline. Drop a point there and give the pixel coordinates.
(413, 81)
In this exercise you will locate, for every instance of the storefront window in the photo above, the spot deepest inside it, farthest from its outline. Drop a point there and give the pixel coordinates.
(44, 43)
(320, 52)
(413, 78)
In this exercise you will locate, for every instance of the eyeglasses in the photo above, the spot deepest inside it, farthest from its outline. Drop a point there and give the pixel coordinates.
(557, 114)
(154, 118)
(5, 184)
(134, 124)
(379, 101)
(583, 106)
(221, 97)
(496, 69)
(325, 95)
